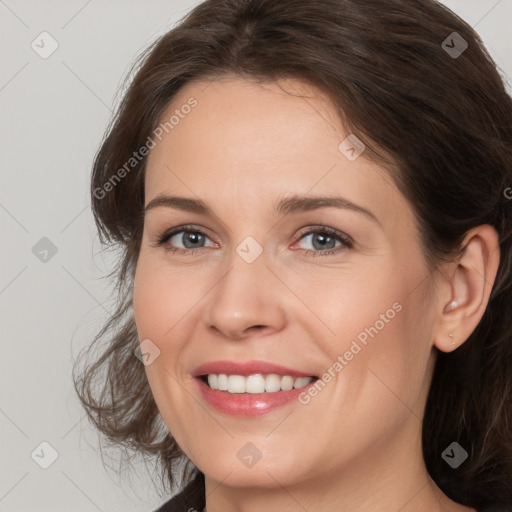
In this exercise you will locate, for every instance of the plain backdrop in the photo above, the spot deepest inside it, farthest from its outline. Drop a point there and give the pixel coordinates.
(53, 299)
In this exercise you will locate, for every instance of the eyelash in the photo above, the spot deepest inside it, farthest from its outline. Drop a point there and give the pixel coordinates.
(346, 241)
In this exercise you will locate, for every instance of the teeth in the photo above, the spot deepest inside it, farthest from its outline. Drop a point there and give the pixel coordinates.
(236, 384)
(287, 383)
(256, 383)
(252, 383)
(222, 381)
(272, 383)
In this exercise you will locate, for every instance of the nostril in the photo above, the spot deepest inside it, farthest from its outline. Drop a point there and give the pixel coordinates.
(257, 328)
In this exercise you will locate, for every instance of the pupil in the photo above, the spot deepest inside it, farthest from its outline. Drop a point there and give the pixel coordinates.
(323, 240)
(193, 237)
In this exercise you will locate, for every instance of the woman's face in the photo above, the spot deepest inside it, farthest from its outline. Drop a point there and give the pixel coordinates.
(254, 277)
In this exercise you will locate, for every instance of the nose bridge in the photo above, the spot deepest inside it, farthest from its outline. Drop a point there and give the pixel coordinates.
(244, 296)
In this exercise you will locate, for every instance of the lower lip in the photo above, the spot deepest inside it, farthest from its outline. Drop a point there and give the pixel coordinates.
(248, 404)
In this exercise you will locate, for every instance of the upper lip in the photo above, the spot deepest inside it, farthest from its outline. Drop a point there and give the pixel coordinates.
(246, 368)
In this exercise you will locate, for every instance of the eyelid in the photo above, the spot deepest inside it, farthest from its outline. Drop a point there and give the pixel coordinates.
(325, 229)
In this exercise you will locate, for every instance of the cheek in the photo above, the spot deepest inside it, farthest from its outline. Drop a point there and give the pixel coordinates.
(159, 314)
(162, 297)
(147, 295)
(380, 328)
(360, 305)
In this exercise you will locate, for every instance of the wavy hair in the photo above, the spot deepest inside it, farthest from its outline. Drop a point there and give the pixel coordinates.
(443, 125)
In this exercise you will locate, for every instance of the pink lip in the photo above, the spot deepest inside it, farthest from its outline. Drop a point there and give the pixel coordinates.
(246, 368)
(247, 404)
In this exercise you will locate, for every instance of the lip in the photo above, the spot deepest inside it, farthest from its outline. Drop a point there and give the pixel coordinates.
(247, 404)
(246, 368)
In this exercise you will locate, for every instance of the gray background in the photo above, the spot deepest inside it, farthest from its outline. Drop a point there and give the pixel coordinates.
(53, 115)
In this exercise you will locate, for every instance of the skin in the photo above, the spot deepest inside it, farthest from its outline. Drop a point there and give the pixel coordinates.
(356, 446)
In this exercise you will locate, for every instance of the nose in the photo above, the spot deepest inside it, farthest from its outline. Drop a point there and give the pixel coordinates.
(247, 300)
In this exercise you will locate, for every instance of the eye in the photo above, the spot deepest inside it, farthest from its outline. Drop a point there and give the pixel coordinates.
(190, 238)
(325, 241)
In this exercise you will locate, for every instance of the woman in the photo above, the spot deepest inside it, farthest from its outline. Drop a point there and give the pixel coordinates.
(311, 199)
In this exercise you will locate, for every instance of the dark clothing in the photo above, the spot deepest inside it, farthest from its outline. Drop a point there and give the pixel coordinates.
(192, 499)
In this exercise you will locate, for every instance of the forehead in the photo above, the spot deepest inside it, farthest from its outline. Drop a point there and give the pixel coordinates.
(256, 141)
(235, 118)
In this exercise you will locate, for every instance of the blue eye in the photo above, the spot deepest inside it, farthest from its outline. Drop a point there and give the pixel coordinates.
(325, 241)
(189, 237)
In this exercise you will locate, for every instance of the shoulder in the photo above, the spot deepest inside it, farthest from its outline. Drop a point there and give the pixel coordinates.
(190, 499)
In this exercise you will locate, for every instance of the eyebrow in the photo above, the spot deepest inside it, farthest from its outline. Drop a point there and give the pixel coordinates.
(285, 206)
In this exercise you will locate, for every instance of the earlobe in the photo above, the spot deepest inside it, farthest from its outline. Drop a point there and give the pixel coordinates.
(468, 288)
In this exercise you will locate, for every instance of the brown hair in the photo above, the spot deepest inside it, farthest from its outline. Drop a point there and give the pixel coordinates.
(444, 123)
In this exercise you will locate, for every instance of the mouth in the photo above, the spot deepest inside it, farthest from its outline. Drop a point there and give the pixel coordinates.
(257, 383)
(250, 396)
(251, 388)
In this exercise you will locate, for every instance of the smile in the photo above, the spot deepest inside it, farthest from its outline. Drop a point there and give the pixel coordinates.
(252, 395)
(255, 383)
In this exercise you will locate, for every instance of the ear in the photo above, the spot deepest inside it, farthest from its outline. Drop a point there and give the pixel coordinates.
(465, 288)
